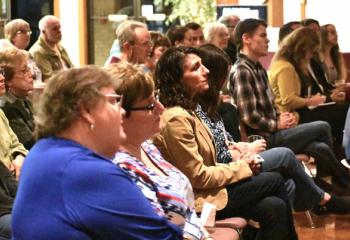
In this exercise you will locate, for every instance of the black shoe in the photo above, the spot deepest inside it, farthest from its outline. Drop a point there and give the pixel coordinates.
(334, 188)
(336, 205)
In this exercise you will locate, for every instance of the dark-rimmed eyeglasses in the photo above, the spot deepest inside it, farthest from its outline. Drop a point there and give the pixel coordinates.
(149, 107)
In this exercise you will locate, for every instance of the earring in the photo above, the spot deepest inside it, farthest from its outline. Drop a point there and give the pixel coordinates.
(92, 126)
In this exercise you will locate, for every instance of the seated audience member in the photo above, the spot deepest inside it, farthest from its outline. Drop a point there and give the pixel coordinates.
(255, 102)
(230, 22)
(12, 154)
(47, 52)
(286, 29)
(321, 83)
(18, 32)
(291, 81)
(12, 151)
(168, 190)
(216, 33)
(16, 104)
(134, 42)
(196, 32)
(179, 36)
(83, 194)
(282, 160)
(160, 43)
(185, 142)
(330, 56)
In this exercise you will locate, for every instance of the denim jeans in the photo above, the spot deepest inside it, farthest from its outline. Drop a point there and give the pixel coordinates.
(315, 139)
(5, 227)
(264, 199)
(282, 160)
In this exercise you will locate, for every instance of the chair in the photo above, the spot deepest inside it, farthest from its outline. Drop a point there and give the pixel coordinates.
(227, 229)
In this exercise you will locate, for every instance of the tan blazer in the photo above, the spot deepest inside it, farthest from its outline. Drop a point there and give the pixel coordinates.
(186, 143)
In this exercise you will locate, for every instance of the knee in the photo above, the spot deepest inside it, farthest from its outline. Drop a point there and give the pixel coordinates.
(323, 126)
(274, 208)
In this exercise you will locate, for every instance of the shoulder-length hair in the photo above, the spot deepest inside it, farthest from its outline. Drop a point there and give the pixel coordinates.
(296, 45)
(168, 77)
(218, 63)
(335, 52)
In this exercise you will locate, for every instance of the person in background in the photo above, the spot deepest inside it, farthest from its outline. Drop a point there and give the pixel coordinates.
(18, 32)
(216, 33)
(168, 190)
(196, 31)
(134, 42)
(16, 103)
(69, 187)
(185, 142)
(286, 29)
(230, 22)
(330, 56)
(291, 83)
(179, 36)
(303, 193)
(47, 52)
(255, 102)
(160, 43)
(12, 154)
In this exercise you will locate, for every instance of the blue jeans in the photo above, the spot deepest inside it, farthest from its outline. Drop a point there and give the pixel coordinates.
(282, 160)
(5, 227)
(315, 139)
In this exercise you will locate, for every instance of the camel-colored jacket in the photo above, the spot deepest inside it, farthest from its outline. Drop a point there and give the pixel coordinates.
(186, 142)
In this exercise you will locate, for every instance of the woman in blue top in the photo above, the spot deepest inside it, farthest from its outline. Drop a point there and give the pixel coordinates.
(69, 188)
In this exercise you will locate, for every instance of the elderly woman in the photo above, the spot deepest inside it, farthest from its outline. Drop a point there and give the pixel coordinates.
(216, 33)
(12, 154)
(16, 104)
(165, 186)
(18, 32)
(82, 194)
(186, 142)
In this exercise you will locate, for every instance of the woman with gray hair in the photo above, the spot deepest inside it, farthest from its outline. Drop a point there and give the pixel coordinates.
(216, 33)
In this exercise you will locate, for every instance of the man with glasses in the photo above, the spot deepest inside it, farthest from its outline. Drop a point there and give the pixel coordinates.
(133, 43)
(47, 52)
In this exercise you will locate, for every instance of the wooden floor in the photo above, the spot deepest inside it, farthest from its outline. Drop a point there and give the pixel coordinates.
(328, 227)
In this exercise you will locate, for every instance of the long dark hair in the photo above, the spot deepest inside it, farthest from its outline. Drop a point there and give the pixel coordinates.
(217, 62)
(168, 78)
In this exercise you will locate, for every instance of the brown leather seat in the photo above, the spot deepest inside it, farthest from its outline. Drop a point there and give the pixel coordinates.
(227, 229)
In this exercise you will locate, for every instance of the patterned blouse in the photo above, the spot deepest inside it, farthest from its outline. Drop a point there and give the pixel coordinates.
(217, 128)
(170, 195)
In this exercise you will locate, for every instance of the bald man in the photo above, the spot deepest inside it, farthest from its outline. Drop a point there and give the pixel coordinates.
(47, 52)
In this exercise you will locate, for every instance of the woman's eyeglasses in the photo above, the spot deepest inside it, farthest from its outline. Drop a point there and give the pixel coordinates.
(149, 107)
(114, 99)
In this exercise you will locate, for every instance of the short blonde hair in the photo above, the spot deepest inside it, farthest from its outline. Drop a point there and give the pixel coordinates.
(211, 29)
(132, 82)
(12, 27)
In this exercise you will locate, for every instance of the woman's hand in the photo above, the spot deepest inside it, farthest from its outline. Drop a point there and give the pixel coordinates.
(257, 146)
(316, 100)
(16, 165)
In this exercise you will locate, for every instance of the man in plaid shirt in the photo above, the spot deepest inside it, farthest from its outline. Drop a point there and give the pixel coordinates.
(255, 103)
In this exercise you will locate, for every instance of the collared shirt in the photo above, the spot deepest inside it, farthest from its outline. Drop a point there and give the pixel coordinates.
(253, 96)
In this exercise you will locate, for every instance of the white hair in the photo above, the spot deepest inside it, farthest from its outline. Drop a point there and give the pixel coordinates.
(44, 21)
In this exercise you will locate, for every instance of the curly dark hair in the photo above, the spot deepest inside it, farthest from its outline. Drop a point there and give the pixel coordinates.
(168, 78)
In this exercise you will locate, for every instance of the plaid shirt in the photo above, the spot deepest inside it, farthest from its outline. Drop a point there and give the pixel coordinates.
(252, 95)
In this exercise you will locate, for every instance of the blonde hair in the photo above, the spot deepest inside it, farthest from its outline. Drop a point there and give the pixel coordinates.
(132, 82)
(12, 27)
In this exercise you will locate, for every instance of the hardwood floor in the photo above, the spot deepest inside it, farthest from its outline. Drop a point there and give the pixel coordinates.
(328, 227)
